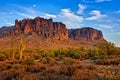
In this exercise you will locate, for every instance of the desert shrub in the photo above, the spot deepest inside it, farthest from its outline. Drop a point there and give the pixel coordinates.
(59, 52)
(30, 50)
(91, 52)
(28, 61)
(108, 48)
(50, 53)
(96, 54)
(75, 53)
(43, 60)
(46, 60)
(37, 56)
(12, 75)
(91, 67)
(4, 54)
(35, 68)
(67, 70)
(71, 69)
(52, 62)
(68, 61)
(41, 52)
(2, 57)
(83, 74)
(3, 66)
(107, 62)
(71, 53)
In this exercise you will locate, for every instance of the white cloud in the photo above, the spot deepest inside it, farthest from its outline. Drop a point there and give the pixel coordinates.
(81, 8)
(106, 26)
(70, 18)
(9, 23)
(50, 16)
(95, 15)
(24, 14)
(95, 1)
(34, 5)
(102, 0)
(88, 1)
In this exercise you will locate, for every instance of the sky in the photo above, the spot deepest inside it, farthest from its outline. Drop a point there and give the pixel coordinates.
(103, 15)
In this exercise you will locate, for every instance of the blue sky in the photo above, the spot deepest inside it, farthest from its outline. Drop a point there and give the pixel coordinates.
(100, 14)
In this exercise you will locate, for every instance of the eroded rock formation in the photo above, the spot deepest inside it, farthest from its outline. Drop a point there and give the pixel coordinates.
(46, 28)
(89, 34)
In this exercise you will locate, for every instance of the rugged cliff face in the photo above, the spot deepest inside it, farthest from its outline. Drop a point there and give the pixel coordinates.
(5, 31)
(87, 33)
(47, 29)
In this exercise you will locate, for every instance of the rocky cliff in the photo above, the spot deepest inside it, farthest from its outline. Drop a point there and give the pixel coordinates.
(46, 28)
(6, 31)
(87, 34)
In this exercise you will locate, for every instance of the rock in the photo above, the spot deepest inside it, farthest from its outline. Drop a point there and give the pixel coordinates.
(87, 33)
(45, 28)
(17, 26)
(6, 31)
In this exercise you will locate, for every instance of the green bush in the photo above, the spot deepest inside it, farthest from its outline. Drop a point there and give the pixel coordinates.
(108, 48)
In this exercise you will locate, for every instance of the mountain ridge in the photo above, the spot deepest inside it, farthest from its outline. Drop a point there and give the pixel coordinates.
(51, 31)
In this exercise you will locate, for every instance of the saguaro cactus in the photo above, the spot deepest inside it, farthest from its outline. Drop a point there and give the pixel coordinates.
(13, 47)
(22, 47)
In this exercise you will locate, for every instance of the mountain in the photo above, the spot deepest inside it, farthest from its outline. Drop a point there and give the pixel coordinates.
(45, 28)
(38, 29)
(5, 31)
(87, 34)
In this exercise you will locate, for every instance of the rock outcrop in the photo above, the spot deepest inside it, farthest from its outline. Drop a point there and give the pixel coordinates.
(47, 29)
(6, 31)
(87, 34)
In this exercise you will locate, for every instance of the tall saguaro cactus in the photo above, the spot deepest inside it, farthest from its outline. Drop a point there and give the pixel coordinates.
(21, 47)
(13, 47)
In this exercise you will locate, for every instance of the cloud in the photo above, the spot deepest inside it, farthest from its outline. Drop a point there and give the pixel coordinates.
(95, 15)
(24, 14)
(10, 13)
(70, 18)
(102, 1)
(50, 16)
(34, 5)
(106, 26)
(81, 8)
(95, 1)
(118, 12)
(9, 23)
(88, 1)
